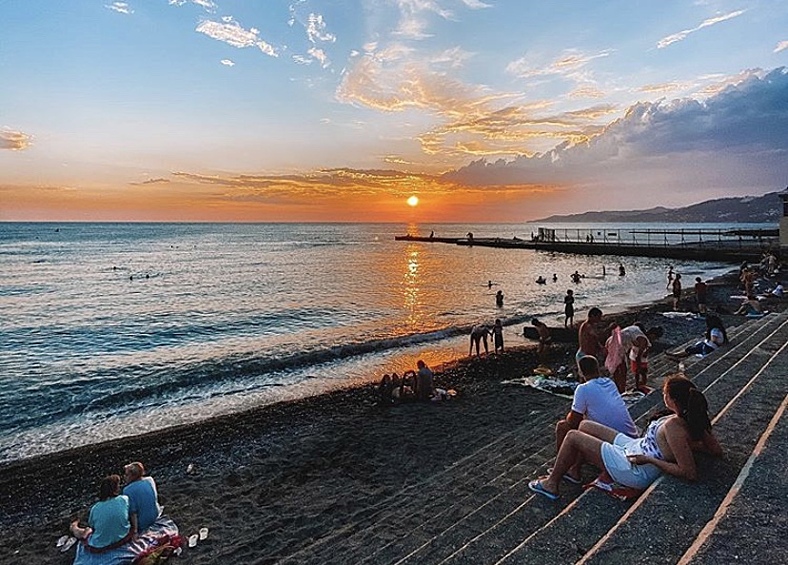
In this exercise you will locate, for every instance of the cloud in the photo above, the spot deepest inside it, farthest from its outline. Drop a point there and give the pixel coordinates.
(735, 138)
(476, 4)
(120, 7)
(227, 62)
(322, 184)
(670, 39)
(152, 181)
(316, 29)
(233, 34)
(207, 4)
(570, 61)
(781, 46)
(14, 140)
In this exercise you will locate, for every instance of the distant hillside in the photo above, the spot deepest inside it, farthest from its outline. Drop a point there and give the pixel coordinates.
(749, 209)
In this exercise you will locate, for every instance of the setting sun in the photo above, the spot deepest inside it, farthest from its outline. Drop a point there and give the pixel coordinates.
(413, 201)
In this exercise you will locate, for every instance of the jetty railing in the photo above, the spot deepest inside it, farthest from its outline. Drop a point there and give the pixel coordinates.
(658, 237)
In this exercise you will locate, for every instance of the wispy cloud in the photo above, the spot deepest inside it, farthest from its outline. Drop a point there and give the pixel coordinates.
(227, 62)
(570, 61)
(207, 4)
(670, 39)
(781, 46)
(232, 33)
(120, 7)
(14, 140)
(476, 4)
(159, 180)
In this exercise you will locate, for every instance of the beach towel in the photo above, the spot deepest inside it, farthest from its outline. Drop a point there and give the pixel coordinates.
(558, 387)
(163, 529)
(615, 350)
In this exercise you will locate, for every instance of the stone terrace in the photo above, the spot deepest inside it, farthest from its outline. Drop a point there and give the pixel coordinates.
(480, 510)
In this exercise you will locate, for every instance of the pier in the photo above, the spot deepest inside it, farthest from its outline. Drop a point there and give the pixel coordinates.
(732, 245)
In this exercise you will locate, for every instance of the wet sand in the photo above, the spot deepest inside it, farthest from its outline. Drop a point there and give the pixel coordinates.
(269, 482)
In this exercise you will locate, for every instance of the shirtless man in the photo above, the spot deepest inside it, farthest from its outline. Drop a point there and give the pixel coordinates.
(589, 340)
(544, 338)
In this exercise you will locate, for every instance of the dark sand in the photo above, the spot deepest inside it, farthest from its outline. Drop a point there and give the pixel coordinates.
(270, 481)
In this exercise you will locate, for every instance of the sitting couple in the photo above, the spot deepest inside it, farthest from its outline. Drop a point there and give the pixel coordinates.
(118, 519)
(610, 441)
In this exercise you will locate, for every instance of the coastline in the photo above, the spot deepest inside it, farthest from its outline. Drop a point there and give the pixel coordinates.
(269, 480)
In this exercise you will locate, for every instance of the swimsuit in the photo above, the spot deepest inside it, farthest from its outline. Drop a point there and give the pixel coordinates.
(614, 456)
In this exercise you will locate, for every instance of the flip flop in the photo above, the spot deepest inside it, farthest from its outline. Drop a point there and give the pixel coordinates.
(567, 477)
(536, 486)
(601, 485)
(66, 546)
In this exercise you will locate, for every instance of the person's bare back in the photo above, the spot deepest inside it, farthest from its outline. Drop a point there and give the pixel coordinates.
(587, 335)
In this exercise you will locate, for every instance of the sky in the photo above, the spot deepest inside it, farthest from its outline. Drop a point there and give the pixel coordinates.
(342, 110)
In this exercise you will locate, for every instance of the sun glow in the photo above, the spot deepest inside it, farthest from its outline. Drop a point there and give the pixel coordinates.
(413, 200)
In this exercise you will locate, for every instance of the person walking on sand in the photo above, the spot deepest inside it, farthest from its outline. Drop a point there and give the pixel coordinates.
(700, 295)
(425, 386)
(589, 340)
(569, 308)
(499, 299)
(497, 332)
(676, 292)
(597, 400)
(479, 333)
(144, 506)
(669, 277)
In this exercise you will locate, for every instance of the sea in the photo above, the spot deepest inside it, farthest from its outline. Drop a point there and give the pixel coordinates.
(116, 329)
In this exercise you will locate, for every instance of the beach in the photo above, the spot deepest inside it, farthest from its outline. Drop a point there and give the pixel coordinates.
(271, 482)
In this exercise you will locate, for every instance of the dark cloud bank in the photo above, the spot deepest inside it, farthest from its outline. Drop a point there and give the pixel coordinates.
(735, 139)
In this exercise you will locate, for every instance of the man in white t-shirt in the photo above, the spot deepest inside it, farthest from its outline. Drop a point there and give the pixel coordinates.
(598, 400)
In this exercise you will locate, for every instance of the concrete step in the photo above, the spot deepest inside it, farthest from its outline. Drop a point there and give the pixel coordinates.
(674, 512)
(583, 522)
(751, 523)
(487, 476)
(508, 530)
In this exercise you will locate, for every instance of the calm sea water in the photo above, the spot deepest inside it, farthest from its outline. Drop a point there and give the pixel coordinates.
(115, 329)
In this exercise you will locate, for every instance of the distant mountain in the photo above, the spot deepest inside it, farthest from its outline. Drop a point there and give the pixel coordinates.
(748, 209)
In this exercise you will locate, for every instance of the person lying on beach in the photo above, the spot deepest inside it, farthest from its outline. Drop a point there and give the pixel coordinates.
(144, 508)
(714, 337)
(597, 400)
(666, 447)
(479, 333)
(108, 522)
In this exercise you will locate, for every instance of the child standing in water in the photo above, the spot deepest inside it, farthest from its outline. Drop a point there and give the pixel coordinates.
(569, 308)
(499, 299)
(497, 332)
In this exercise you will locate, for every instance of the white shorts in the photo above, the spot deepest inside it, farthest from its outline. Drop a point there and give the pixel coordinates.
(614, 457)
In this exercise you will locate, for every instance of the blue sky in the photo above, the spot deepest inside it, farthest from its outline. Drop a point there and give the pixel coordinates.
(339, 110)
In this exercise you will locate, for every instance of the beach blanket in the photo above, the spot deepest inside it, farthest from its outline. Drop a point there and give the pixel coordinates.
(687, 315)
(558, 387)
(565, 389)
(126, 554)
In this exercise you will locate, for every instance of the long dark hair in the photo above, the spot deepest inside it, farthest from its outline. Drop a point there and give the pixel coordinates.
(714, 321)
(691, 404)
